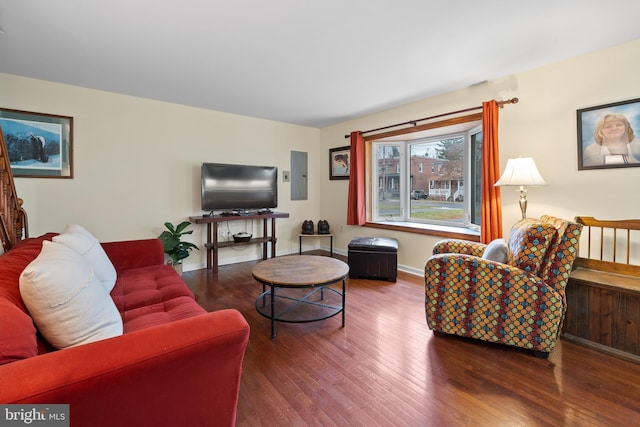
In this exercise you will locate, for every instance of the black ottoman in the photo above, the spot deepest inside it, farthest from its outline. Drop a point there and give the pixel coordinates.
(374, 258)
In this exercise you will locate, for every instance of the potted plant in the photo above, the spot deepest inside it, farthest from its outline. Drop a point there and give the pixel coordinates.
(173, 246)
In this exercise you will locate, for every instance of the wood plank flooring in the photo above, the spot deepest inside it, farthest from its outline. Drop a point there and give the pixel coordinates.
(385, 367)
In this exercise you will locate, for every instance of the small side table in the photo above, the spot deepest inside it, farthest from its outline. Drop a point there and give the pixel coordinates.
(300, 236)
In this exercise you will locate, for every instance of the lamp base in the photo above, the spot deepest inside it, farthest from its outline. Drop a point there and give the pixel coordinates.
(523, 202)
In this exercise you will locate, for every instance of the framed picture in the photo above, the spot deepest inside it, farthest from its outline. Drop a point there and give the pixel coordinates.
(339, 162)
(607, 136)
(40, 145)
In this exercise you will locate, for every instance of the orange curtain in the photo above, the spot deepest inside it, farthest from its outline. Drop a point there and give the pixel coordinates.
(356, 214)
(491, 221)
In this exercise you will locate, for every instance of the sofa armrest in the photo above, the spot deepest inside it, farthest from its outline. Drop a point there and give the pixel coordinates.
(458, 246)
(134, 253)
(181, 373)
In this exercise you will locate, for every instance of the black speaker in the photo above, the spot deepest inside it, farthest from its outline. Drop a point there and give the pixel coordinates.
(323, 227)
(307, 227)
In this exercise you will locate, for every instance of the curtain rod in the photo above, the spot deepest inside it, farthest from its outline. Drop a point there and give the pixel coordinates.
(414, 122)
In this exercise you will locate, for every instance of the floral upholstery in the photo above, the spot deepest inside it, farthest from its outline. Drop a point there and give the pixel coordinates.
(520, 303)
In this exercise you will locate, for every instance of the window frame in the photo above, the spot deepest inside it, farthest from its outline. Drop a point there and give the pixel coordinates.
(467, 229)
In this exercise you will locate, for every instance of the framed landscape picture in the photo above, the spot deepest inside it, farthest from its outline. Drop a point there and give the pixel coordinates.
(607, 135)
(39, 145)
(339, 162)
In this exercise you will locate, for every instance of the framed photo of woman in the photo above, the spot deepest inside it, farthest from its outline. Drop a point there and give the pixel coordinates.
(607, 135)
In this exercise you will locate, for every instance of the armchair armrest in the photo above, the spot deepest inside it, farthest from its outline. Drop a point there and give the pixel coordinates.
(192, 366)
(464, 267)
(458, 246)
(134, 253)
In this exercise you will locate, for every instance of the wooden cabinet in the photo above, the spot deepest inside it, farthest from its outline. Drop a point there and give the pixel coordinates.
(603, 315)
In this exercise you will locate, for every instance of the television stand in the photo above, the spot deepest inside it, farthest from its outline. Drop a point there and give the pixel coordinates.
(213, 245)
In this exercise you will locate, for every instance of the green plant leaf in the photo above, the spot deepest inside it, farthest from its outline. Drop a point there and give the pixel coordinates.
(172, 244)
(182, 226)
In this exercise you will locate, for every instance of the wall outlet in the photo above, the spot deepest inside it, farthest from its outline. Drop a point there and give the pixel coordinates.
(286, 176)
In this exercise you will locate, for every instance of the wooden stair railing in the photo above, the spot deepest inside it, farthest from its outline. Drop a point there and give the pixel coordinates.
(13, 218)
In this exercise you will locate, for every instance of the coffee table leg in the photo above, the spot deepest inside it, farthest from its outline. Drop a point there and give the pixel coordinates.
(273, 312)
(344, 298)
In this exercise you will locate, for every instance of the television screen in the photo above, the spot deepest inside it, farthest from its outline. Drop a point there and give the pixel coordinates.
(227, 187)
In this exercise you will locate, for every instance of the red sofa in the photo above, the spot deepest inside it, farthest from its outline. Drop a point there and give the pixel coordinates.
(175, 364)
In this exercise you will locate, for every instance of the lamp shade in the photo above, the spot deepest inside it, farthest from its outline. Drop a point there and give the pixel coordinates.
(520, 171)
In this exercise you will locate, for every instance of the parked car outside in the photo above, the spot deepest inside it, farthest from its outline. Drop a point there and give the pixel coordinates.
(418, 194)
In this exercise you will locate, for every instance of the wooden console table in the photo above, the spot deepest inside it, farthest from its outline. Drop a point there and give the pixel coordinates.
(213, 245)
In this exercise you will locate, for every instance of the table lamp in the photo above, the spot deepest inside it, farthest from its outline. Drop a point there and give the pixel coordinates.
(521, 172)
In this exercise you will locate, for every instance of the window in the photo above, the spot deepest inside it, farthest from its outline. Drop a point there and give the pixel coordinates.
(429, 177)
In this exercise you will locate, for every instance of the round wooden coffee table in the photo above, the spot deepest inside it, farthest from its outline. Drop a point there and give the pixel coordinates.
(300, 289)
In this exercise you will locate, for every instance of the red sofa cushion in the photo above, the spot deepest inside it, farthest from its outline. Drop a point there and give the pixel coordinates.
(17, 333)
(18, 336)
(151, 296)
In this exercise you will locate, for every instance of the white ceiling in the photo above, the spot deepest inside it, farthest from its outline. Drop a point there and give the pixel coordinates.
(308, 62)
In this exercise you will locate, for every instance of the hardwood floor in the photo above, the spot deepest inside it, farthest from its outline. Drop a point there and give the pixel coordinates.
(385, 367)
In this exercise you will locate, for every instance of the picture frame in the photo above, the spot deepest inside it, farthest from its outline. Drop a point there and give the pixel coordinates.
(40, 145)
(607, 135)
(339, 162)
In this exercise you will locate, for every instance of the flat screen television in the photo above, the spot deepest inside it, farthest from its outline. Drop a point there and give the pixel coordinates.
(238, 188)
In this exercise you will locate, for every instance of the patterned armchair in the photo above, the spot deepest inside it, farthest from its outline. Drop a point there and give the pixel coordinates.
(520, 302)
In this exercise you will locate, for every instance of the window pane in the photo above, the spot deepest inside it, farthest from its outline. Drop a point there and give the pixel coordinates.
(388, 161)
(437, 187)
(476, 177)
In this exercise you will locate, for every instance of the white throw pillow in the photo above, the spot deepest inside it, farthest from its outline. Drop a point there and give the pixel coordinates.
(83, 242)
(65, 298)
(497, 250)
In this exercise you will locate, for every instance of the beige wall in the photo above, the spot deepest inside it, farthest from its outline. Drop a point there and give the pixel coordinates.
(137, 161)
(137, 164)
(541, 125)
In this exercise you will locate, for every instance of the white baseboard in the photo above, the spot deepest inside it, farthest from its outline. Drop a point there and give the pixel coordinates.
(403, 268)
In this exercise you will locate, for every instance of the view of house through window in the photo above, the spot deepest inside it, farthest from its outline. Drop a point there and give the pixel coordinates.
(429, 177)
